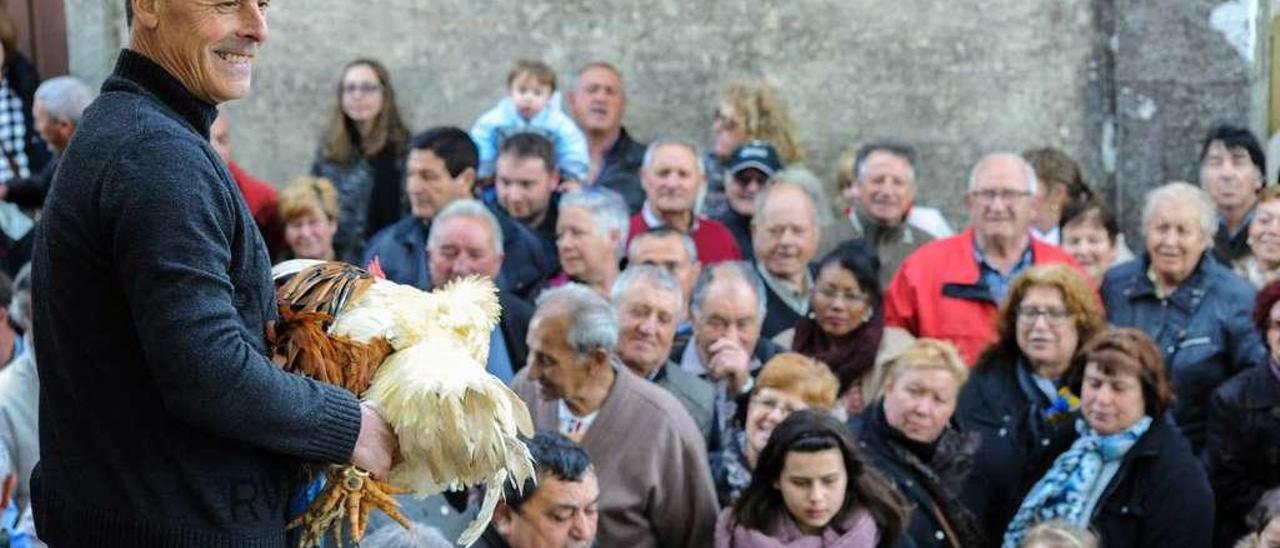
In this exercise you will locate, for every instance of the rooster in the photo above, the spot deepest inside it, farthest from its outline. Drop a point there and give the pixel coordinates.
(418, 358)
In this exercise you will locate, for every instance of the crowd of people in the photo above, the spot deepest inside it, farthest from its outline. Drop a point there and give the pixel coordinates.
(713, 353)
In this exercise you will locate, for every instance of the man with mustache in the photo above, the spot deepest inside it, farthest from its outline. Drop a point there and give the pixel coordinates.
(884, 176)
(950, 288)
(164, 421)
(1232, 170)
(597, 103)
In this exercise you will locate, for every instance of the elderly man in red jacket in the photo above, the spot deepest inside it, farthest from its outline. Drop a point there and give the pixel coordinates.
(950, 288)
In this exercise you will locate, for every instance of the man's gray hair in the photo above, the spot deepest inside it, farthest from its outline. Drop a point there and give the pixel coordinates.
(1179, 192)
(725, 272)
(648, 274)
(762, 199)
(608, 211)
(896, 148)
(690, 248)
(471, 209)
(600, 64)
(63, 99)
(802, 176)
(20, 305)
(1032, 181)
(593, 324)
(660, 142)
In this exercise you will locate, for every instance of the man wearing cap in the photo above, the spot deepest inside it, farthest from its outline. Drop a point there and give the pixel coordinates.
(749, 168)
(1232, 165)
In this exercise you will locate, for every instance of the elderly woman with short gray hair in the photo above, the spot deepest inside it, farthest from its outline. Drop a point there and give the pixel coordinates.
(1194, 308)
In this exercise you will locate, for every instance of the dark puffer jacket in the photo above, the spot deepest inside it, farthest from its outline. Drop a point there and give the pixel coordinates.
(1018, 443)
(1244, 447)
(1204, 330)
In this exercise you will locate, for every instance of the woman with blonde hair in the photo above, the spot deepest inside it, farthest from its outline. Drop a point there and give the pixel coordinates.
(747, 111)
(309, 212)
(908, 433)
(788, 382)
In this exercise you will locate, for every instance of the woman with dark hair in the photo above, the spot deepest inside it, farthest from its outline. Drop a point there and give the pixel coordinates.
(1061, 182)
(22, 153)
(1015, 398)
(908, 433)
(363, 155)
(813, 488)
(1129, 475)
(845, 326)
(1092, 236)
(1244, 427)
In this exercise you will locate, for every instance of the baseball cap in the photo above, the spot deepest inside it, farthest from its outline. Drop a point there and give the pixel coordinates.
(754, 154)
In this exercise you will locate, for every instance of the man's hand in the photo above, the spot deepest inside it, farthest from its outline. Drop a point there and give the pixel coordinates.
(729, 361)
(377, 448)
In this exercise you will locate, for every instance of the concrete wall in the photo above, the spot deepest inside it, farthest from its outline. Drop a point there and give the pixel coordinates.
(1126, 86)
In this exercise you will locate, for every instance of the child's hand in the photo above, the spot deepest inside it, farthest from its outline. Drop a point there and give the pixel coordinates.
(569, 185)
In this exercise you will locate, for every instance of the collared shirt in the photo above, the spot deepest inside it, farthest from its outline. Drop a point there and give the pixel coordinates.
(1052, 236)
(1243, 228)
(998, 283)
(797, 300)
(500, 357)
(652, 219)
(572, 425)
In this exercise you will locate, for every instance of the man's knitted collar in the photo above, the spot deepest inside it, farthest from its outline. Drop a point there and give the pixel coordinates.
(136, 69)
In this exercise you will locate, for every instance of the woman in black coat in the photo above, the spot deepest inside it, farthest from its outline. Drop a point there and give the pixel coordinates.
(1015, 398)
(909, 436)
(1130, 475)
(1244, 428)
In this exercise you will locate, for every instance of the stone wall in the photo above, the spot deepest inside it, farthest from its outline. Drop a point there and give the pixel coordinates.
(1126, 86)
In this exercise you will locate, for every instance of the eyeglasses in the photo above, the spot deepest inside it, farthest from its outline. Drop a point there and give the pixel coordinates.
(748, 176)
(831, 293)
(366, 88)
(989, 195)
(1056, 316)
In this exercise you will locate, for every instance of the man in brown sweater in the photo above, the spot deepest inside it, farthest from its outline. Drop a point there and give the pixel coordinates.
(655, 487)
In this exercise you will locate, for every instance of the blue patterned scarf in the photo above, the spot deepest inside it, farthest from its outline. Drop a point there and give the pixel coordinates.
(1062, 492)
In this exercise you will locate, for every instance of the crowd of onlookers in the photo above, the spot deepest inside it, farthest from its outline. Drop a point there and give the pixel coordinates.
(714, 353)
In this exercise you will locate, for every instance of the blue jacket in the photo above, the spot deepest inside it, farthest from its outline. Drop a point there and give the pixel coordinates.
(1204, 330)
(401, 250)
(503, 121)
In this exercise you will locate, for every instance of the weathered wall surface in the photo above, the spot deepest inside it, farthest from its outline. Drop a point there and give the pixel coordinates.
(1124, 85)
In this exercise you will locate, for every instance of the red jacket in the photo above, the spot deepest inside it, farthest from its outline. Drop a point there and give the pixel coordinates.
(937, 293)
(262, 201)
(713, 241)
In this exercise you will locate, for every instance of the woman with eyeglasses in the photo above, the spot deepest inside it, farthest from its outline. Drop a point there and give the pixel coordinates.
(909, 435)
(845, 327)
(747, 111)
(787, 383)
(1195, 309)
(1016, 398)
(813, 488)
(1128, 474)
(363, 155)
